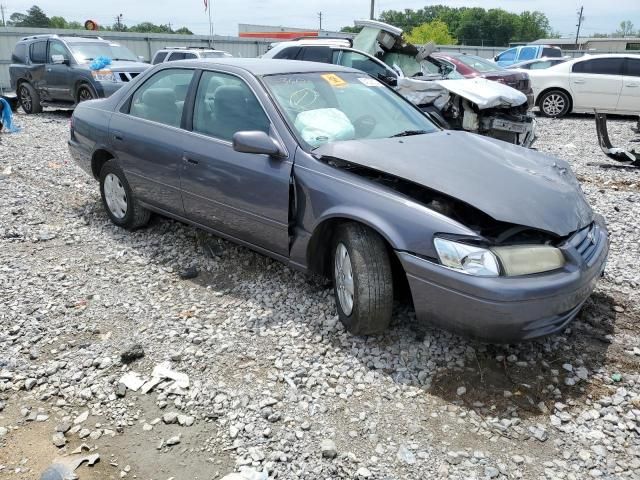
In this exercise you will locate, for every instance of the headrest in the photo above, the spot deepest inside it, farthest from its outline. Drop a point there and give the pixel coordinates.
(157, 97)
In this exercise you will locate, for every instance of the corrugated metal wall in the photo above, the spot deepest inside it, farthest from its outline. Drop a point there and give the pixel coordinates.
(140, 43)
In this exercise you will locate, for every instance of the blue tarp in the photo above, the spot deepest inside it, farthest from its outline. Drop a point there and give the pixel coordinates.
(6, 117)
(100, 62)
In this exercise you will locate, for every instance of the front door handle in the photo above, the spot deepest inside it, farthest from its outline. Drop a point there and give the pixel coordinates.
(632, 85)
(189, 160)
(117, 136)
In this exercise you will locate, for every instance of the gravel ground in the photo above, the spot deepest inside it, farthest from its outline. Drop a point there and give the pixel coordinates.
(274, 382)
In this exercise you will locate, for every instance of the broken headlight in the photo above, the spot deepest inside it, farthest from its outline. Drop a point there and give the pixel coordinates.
(467, 258)
(528, 259)
(103, 75)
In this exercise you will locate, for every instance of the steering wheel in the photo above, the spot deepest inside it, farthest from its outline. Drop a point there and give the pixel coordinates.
(364, 125)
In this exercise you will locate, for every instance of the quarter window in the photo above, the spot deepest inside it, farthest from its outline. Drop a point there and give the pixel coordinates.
(225, 105)
(161, 98)
(159, 58)
(633, 67)
(38, 52)
(600, 66)
(20, 53)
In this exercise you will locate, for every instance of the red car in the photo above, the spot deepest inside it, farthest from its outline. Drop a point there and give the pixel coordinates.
(471, 66)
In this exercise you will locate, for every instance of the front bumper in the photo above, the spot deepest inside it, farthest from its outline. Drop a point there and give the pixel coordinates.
(106, 89)
(509, 309)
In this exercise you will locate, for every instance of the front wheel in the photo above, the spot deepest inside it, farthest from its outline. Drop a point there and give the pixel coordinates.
(554, 104)
(118, 200)
(85, 93)
(29, 99)
(363, 280)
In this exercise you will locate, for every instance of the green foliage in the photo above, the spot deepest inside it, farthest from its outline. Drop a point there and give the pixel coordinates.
(35, 17)
(626, 29)
(435, 31)
(351, 29)
(493, 27)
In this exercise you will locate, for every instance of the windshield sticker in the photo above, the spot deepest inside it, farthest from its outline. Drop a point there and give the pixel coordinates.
(369, 82)
(334, 80)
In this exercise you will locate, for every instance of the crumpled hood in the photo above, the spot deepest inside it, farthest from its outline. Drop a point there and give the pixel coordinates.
(485, 93)
(509, 183)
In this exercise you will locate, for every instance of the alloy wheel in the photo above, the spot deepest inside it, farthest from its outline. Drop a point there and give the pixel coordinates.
(115, 196)
(25, 99)
(344, 279)
(554, 104)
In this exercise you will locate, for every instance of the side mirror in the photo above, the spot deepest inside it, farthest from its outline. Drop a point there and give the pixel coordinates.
(256, 142)
(495, 59)
(59, 59)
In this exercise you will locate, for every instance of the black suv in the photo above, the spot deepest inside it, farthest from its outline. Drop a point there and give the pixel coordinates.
(52, 70)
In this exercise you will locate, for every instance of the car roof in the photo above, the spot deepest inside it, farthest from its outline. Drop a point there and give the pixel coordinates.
(265, 66)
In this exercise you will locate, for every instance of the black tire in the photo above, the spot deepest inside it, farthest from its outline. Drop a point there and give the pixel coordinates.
(372, 279)
(84, 93)
(29, 99)
(133, 215)
(554, 104)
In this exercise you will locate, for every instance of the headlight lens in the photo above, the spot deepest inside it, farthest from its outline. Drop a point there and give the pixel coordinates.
(467, 258)
(103, 75)
(528, 259)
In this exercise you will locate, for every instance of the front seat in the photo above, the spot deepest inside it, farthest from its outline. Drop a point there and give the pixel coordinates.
(235, 111)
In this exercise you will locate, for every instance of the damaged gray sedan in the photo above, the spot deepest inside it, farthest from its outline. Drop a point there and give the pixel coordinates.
(330, 171)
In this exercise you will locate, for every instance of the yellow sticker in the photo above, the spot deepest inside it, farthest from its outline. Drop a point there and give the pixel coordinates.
(334, 80)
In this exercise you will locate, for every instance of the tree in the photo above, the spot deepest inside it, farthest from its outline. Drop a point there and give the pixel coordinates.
(435, 31)
(351, 29)
(532, 26)
(35, 17)
(626, 29)
(58, 22)
(16, 19)
(183, 31)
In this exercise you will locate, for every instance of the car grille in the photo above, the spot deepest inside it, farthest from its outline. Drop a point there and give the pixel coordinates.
(127, 76)
(587, 241)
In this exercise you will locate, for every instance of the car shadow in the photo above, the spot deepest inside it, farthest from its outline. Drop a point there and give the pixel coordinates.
(523, 380)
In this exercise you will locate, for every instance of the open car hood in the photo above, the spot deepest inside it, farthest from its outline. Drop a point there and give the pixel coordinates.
(485, 93)
(509, 183)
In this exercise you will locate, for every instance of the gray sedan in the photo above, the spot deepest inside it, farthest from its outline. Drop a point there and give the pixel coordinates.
(326, 169)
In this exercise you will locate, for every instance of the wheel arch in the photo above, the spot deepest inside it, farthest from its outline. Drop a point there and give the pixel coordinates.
(98, 159)
(561, 89)
(318, 251)
(83, 82)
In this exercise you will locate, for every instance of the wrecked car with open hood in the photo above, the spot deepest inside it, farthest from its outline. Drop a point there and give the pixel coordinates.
(332, 172)
(475, 105)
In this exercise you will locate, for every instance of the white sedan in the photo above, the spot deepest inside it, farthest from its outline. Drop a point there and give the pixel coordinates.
(608, 83)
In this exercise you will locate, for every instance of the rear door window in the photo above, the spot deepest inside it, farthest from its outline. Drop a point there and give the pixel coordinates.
(527, 53)
(177, 56)
(38, 52)
(289, 53)
(161, 98)
(317, 54)
(159, 58)
(600, 66)
(551, 52)
(188, 56)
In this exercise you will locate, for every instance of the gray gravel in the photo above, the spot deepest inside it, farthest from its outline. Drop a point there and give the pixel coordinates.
(275, 383)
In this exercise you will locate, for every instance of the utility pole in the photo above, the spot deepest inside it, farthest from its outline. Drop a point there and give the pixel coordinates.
(580, 20)
(320, 18)
(372, 15)
(2, 7)
(119, 22)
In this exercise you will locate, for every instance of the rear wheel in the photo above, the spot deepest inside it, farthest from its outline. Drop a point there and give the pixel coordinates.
(363, 279)
(118, 200)
(554, 104)
(29, 99)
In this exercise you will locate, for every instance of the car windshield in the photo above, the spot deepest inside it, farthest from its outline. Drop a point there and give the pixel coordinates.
(87, 52)
(213, 54)
(328, 107)
(478, 63)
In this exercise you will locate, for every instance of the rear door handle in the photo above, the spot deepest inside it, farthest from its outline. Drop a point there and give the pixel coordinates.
(579, 81)
(632, 85)
(48, 69)
(118, 136)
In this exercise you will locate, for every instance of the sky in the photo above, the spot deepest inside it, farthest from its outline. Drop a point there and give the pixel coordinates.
(600, 15)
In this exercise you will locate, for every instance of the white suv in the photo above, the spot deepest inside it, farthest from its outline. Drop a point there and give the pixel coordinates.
(169, 54)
